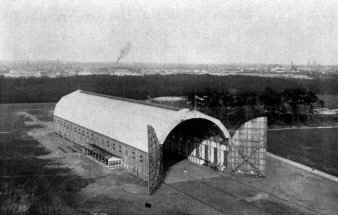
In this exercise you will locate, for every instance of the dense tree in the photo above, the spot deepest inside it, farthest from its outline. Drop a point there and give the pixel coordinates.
(233, 99)
(52, 89)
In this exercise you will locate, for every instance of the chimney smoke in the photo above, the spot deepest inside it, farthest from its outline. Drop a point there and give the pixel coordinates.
(124, 52)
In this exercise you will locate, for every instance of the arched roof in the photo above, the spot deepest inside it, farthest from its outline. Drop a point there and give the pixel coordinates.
(124, 120)
(192, 115)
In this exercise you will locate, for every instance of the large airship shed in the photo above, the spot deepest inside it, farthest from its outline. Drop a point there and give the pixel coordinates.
(132, 134)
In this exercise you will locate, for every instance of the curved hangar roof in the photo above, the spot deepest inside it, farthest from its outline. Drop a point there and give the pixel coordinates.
(122, 119)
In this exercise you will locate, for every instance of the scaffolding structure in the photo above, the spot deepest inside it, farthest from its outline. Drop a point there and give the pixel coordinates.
(247, 148)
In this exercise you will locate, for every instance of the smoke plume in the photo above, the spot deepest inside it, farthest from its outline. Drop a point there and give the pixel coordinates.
(124, 52)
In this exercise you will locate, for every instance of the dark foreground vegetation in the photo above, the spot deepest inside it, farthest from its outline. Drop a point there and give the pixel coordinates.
(233, 99)
(27, 186)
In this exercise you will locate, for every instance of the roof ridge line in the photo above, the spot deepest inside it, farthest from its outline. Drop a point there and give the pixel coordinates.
(130, 100)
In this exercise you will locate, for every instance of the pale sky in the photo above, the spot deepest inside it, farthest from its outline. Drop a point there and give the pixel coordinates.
(205, 31)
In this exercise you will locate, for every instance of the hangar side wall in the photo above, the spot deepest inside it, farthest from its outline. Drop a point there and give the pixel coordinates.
(133, 160)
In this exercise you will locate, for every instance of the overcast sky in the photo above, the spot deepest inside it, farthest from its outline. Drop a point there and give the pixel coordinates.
(171, 31)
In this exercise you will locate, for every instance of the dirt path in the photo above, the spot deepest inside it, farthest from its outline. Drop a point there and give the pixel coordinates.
(303, 127)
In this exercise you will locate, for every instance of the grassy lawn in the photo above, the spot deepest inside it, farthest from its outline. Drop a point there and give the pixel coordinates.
(26, 185)
(316, 148)
(330, 101)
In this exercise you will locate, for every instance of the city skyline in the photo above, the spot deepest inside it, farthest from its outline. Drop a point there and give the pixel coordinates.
(184, 32)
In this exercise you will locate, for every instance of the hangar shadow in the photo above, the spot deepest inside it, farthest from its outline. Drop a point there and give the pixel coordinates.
(184, 139)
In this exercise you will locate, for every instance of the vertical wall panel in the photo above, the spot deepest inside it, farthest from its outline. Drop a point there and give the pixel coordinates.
(155, 161)
(249, 145)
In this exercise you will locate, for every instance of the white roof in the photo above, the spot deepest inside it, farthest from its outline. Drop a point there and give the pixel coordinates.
(114, 159)
(122, 119)
(169, 98)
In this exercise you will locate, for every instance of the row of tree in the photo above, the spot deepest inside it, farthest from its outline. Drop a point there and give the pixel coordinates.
(289, 106)
(141, 87)
(271, 100)
(230, 98)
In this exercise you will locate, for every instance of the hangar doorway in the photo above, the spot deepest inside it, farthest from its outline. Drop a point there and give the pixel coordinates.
(205, 141)
(198, 140)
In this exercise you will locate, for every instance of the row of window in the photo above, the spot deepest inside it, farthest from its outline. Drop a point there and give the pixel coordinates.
(69, 126)
(134, 156)
(115, 164)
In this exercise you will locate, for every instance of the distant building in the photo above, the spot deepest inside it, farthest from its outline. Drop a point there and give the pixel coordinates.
(85, 72)
(123, 72)
(277, 69)
(17, 73)
(172, 101)
(70, 72)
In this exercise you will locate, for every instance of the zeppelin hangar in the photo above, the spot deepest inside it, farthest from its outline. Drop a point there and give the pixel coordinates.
(133, 134)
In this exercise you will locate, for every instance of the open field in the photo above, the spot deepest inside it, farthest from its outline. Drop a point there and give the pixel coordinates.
(42, 173)
(330, 101)
(313, 147)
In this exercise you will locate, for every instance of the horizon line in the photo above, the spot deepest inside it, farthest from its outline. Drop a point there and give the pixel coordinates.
(160, 63)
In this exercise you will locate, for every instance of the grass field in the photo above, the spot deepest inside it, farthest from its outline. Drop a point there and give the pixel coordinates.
(27, 186)
(313, 147)
(330, 101)
(35, 181)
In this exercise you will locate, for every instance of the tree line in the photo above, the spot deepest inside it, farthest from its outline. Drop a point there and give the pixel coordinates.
(140, 87)
(291, 106)
(226, 96)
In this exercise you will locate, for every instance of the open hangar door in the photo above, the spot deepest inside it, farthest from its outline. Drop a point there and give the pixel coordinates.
(199, 140)
(203, 142)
